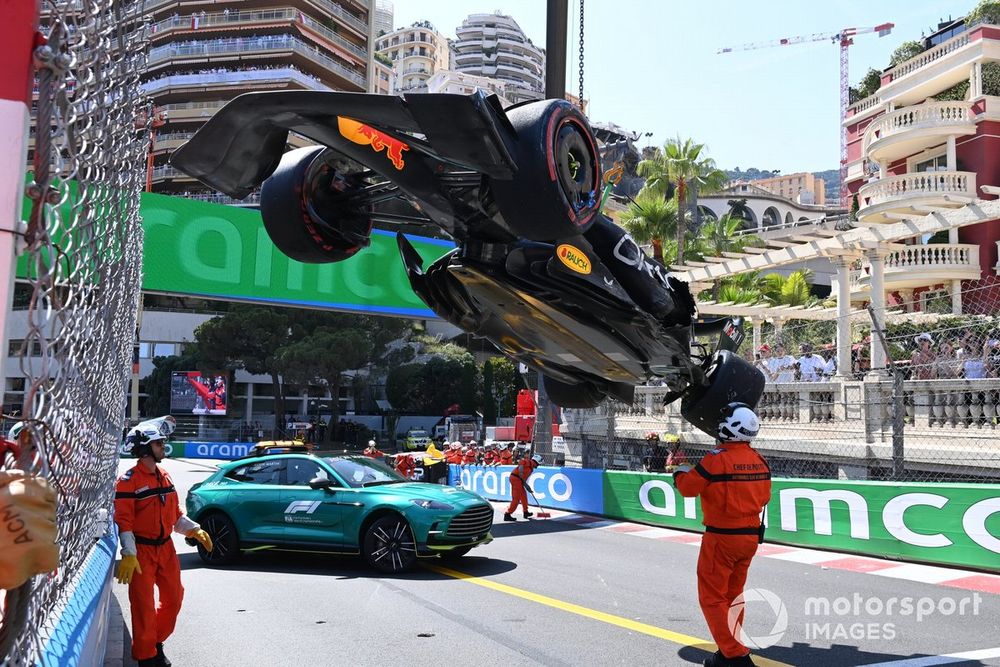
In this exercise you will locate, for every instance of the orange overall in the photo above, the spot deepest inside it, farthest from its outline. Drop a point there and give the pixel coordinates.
(734, 482)
(518, 478)
(147, 505)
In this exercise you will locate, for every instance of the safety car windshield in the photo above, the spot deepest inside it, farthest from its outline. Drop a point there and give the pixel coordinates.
(364, 471)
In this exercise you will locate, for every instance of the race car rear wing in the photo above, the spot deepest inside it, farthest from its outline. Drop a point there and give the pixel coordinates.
(242, 143)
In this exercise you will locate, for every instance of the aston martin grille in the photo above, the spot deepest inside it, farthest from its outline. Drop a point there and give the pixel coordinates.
(474, 521)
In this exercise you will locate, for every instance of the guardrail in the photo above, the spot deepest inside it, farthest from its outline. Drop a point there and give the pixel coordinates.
(922, 183)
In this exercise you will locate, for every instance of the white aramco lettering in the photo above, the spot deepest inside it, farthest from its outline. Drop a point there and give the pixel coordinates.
(669, 507)
(567, 487)
(894, 519)
(974, 523)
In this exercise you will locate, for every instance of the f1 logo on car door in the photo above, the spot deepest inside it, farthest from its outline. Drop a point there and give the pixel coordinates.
(301, 506)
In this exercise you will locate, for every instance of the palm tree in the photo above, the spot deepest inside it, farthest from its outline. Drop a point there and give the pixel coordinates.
(742, 288)
(676, 167)
(710, 179)
(720, 236)
(650, 219)
(791, 290)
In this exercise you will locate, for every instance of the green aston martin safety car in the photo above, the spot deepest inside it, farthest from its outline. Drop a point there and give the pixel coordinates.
(339, 504)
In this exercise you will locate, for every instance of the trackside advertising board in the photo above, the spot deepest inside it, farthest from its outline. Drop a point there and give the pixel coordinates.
(571, 489)
(223, 252)
(950, 524)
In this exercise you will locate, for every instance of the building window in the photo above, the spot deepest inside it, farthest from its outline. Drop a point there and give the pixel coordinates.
(15, 348)
(939, 163)
(936, 301)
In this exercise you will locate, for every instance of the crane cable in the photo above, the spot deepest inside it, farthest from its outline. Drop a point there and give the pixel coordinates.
(580, 101)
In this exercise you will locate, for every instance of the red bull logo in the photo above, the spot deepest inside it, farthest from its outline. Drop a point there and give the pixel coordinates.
(365, 135)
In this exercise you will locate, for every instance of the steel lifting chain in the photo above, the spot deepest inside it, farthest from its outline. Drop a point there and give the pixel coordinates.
(581, 55)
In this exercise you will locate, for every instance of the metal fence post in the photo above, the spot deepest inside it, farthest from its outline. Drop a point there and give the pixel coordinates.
(898, 409)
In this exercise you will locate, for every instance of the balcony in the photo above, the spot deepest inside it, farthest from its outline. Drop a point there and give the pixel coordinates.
(941, 67)
(909, 130)
(199, 50)
(256, 79)
(923, 265)
(886, 199)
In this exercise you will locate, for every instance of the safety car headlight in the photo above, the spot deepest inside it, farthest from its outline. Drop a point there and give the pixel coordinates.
(431, 504)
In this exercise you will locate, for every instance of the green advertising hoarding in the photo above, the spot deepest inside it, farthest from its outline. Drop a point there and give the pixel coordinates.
(223, 252)
(951, 524)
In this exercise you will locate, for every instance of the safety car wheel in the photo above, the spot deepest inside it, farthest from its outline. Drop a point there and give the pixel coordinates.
(556, 191)
(389, 545)
(225, 540)
(565, 395)
(455, 554)
(312, 207)
(728, 378)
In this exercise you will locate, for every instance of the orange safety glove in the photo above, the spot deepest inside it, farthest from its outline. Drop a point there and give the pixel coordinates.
(201, 537)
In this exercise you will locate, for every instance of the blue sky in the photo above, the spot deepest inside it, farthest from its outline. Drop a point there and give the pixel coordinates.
(651, 66)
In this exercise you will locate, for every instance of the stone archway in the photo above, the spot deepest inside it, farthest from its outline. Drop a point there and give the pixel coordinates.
(788, 218)
(739, 209)
(771, 218)
(707, 213)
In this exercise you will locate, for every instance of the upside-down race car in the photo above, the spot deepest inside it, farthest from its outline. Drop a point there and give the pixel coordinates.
(538, 270)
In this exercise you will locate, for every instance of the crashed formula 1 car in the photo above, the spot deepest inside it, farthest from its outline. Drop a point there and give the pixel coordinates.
(538, 269)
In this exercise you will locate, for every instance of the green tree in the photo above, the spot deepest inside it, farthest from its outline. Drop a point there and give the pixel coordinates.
(248, 337)
(650, 219)
(710, 180)
(323, 358)
(987, 11)
(719, 236)
(489, 400)
(745, 288)
(679, 167)
(905, 51)
(448, 377)
(500, 384)
(790, 290)
(870, 84)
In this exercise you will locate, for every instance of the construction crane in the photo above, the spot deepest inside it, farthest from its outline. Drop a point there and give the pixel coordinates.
(845, 38)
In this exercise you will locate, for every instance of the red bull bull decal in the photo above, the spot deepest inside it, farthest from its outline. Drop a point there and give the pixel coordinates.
(365, 135)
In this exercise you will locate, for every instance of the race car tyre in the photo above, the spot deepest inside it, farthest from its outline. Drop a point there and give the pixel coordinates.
(225, 540)
(556, 191)
(306, 217)
(579, 396)
(455, 554)
(728, 378)
(389, 546)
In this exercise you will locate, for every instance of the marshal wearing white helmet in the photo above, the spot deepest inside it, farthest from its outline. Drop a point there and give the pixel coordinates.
(734, 482)
(738, 423)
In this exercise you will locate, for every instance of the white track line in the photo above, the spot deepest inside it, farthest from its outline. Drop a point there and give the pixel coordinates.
(927, 574)
(948, 659)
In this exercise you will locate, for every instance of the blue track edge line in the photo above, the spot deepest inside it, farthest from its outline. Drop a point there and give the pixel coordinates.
(86, 611)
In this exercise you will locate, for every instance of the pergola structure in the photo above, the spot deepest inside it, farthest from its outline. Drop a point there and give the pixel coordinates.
(842, 248)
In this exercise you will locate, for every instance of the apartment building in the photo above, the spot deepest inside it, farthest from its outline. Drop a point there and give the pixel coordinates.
(204, 53)
(801, 187)
(929, 140)
(416, 53)
(494, 46)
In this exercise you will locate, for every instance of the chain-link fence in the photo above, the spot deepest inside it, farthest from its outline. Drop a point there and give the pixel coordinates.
(81, 255)
(821, 422)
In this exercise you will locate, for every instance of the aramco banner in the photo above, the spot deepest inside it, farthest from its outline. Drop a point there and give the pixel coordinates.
(194, 248)
(223, 252)
(953, 524)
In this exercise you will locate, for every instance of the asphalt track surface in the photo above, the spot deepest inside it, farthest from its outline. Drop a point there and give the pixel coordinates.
(550, 592)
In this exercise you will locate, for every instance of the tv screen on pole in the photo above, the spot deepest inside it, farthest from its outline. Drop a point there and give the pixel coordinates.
(192, 393)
